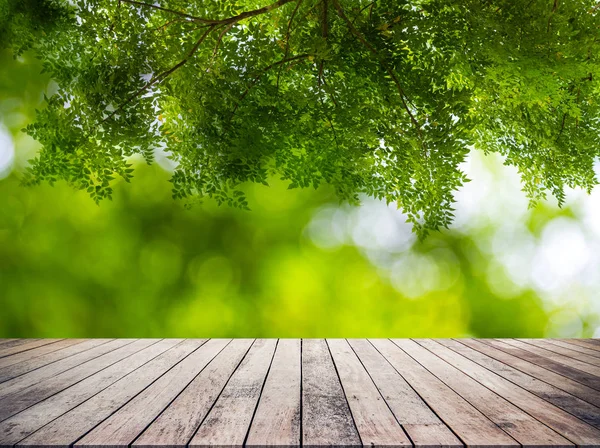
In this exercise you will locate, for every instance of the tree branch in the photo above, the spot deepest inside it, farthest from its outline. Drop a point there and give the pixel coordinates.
(161, 75)
(287, 39)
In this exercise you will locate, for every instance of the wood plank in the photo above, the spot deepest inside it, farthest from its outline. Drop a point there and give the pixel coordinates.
(277, 418)
(423, 427)
(34, 353)
(568, 351)
(520, 425)
(30, 420)
(565, 360)
(9, 372)
(573, 387)
(178, 423)
(570, 427)
(584, 343)
(40, 375)
(374, 421)
(122, 427)
(229, 429)
(6, 343)
(326, 417)
(7, 351)
(574, 406)
(70, 427)
(467, 422)
(12, 403)
(542, 361)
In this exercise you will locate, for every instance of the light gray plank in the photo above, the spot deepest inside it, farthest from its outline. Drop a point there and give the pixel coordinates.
(8, 351)
(520, 425)
(12, 403)
(585, 378)
(36, 352)
(225, 428)
(122, 428)
(13, 371)
(30, 420)
(277, 418)
(177, 424)
(582, 345)
(573, 387)
(424, 428)
(70, 427)
(467, 422)
(569, 352)
(538, 350)
(6, 343)
(326, 417)
(39, 376)
(374, 421)
(559, 420)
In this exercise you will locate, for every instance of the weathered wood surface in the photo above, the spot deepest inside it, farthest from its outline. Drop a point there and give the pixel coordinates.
(398, 393)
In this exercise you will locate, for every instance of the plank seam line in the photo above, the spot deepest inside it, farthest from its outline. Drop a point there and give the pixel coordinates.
(75, 407)
(344, 392)
(37, 356)
(219, 394)
(467, 401)
(575, 348)
(575, 444)
(419, 395)
(583, 343)
(539, 347)
(530, 376)
(380, 394)
(503, 349)
(150, 384)
(262, 388)
(28, 349)
(181, 391)
(58, 360)
(71, 385)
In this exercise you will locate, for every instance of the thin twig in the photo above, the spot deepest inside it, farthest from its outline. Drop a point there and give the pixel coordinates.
(162, 75)
(287, 39)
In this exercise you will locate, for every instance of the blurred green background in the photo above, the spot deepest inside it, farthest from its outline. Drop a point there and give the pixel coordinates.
(298, 265)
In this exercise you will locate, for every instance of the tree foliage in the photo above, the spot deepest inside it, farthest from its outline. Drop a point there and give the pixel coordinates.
(383, 98)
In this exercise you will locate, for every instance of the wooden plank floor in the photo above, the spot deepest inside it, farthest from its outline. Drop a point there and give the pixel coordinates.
(291, 392)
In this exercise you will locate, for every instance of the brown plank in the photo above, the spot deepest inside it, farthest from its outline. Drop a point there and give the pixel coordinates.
(568, 351)
(178, 423)
(277, 418)
(34, 353)
(69, 427)
(7, 351)
(374, 421)
(542, 361)
(583, 343)
(326, 417)
(30, 420)
(563, 423)
(573, 387)
(574, 406)
(15, 402)
(520, 425)
(122, 427)
(423, 427)
(222, 427)
(467, 422)
(538, 350)
(9, 372)
(40, 375)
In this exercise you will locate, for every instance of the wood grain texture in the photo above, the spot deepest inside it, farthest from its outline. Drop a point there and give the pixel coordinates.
(223, 428)
(575, 406)
(290, 393)
(576, 431)
(326, 417)
(423, 427)
(70, 427)
(277, 419)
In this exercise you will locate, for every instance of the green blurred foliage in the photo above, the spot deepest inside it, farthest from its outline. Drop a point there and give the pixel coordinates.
(143, 265)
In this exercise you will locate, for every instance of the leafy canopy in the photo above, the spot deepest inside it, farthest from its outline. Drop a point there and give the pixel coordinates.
(383, 98)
